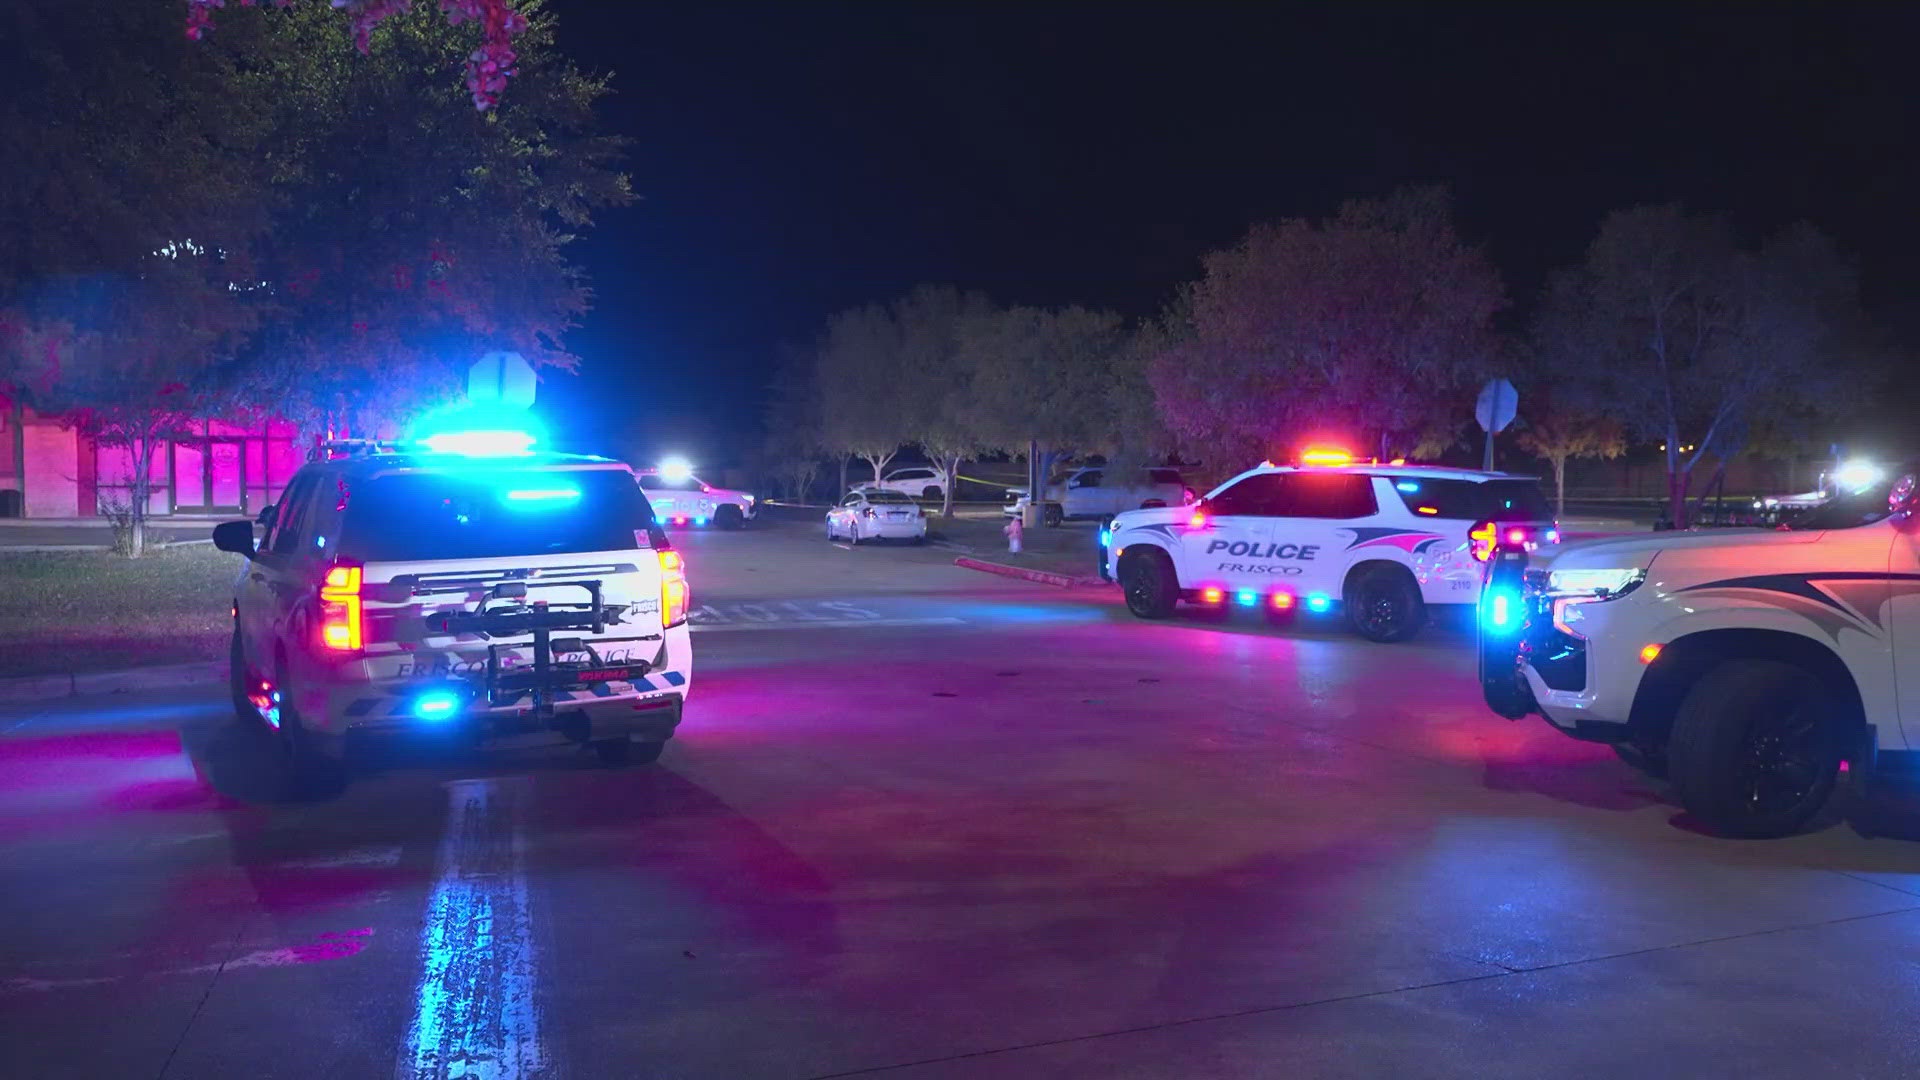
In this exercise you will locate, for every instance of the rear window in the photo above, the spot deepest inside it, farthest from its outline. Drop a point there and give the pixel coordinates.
(884, 496)
(1473, 500)
(492, 514)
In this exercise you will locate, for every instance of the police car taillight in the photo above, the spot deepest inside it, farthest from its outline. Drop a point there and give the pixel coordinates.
(675, 596)
(340, 608)
(1482, 539)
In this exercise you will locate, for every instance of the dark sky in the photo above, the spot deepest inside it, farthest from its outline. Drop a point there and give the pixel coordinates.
(797, 158)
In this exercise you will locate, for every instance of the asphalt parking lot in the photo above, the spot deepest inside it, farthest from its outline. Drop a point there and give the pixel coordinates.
(925, 822)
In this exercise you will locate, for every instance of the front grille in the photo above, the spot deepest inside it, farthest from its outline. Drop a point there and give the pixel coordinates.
(1559, 659)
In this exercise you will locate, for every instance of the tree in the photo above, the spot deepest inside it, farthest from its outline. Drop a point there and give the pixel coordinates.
(864, 389)
(1558, 434)
(1688, 339)
(1372, 325)
(946, 407)
(490, 59)
(794, 439)
(409, 235)
(1050, 376)
(127, 360)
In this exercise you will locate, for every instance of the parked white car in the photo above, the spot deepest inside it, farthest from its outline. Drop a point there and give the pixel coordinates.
(1090, 492)
(876, 515)
(916, 481)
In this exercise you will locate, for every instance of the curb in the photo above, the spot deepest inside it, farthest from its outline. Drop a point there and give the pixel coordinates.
(1044, 577)
(47, 687)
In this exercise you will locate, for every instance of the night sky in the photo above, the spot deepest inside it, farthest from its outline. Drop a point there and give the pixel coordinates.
(794, 159)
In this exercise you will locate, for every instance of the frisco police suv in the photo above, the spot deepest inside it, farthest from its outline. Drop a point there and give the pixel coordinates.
(459, 589)
(1382, 542)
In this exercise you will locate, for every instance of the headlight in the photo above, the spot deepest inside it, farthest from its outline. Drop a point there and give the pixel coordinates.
(1572, 590)
(1594, 583)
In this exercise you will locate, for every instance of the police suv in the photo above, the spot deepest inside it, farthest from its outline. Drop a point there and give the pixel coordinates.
(681, 498)
(1380, 542)
(1745, 665)
(489, 594)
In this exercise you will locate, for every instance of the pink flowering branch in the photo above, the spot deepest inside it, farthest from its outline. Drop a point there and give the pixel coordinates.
(488, 67)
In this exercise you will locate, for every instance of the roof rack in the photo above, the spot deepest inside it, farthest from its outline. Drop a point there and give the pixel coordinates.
(331, 449)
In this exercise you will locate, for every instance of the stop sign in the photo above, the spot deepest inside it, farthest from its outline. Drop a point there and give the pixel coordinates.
(501, 378)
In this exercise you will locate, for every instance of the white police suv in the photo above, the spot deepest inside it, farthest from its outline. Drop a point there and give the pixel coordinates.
(1744, 664)
(680, 498)
(1379, 542)
(481, 592)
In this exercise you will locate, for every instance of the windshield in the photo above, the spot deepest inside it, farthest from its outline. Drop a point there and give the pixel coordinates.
(1863, 507)
(493, 513)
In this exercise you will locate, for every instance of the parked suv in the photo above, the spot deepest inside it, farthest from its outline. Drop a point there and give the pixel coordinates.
(915, 481)
(497, 596)
(1744, 665)
(1379, 543)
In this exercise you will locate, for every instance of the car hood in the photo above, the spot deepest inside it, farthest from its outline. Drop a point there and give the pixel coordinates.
(1639, 549)
(1157, 515)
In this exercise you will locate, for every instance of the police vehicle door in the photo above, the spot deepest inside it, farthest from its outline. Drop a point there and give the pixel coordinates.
(1232, 549)
(283, 572)
(1317, 525)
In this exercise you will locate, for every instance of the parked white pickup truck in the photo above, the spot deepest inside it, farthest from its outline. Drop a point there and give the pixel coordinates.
(1089, 492)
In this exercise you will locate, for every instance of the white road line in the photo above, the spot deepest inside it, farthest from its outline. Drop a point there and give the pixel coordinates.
(811, 624)
(842, 547)
(474, 1013)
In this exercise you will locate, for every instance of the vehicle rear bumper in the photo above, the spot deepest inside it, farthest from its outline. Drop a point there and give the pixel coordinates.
(651, 703)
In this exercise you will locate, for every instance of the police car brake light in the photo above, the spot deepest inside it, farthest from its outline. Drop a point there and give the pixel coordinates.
(340, 608)
(675, 596)
(1482, 539)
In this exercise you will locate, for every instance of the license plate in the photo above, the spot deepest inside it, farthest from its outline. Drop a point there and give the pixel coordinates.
(896, 517)
(606, 674)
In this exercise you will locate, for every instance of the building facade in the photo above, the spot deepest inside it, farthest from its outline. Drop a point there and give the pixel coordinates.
(222, 468)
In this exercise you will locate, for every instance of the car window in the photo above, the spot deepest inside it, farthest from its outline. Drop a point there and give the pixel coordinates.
(1446, 499)
(1260, 495)
(655, 482)
(293, 514)
(851, 500)
(493, 513)
(1329, 495)
(1090, 478)
(887, 497)
(912, 474)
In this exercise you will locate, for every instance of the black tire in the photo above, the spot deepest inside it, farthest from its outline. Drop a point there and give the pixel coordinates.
(728, 516)
(931, 494)
(1053, 515)
(1755, 750)
(306, 768)
(1383, 604)
(853, 534)
(1149, 584)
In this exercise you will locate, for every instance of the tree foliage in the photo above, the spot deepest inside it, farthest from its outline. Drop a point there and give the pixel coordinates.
(408, 234)
(490, 63)
(1559, 433)
(1371, 326)
(1673, 328)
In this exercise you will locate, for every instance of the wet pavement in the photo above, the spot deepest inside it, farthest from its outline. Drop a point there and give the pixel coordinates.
(923, 822)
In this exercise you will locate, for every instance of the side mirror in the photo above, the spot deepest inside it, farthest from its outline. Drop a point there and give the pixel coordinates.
(234, 536)
(265, 517)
